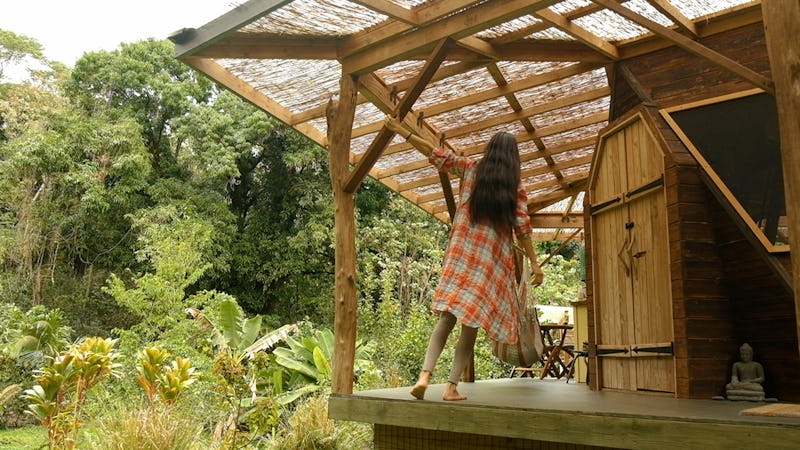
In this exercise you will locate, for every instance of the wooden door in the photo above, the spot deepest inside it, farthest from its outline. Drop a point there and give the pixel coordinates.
(632, 278)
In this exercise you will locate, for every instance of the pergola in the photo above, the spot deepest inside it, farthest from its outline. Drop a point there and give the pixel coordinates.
(456, 72)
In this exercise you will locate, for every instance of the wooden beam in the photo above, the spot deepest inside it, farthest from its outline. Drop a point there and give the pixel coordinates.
(390, 9)
(190, 40)
(340, 118)
(380, 96)
(461, 24)
(270, 46)
(246, 91)
(411, 96)
(380, 33)
(782, 29)
(691, 46)
(514, 86)
(634, 84)
(557, 51)
(500, 119)
(675, 15)
(579, 33)
(557, 220)
(401, 86)
(543, 201)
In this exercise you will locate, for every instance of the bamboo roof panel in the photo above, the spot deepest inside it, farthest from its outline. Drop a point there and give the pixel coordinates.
(536, 69)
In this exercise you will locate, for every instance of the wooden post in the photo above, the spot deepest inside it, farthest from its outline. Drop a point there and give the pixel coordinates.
(340, 124)
(782, 29)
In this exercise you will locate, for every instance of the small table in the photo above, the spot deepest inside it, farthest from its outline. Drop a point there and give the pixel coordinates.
(556, 356)
(555, 364)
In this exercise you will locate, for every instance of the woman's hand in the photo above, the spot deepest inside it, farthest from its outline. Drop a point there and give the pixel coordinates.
(394, 125)
(538, 275)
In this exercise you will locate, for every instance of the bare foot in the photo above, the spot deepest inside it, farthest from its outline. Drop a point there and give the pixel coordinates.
(418, 391)
(451, 393)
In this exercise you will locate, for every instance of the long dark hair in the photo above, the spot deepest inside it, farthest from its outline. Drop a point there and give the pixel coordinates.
(494, 197)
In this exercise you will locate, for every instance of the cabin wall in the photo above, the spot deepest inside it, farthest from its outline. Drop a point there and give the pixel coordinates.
(724, 292)
(673, 76)
(762, 310)
(703, 325)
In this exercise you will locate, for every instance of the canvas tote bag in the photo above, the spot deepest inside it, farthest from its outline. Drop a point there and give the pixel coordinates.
(529, 346)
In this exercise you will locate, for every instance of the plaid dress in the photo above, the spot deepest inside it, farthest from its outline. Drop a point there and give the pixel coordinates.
(477, 283)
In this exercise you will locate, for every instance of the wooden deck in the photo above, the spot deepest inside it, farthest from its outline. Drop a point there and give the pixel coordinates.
(551, 411)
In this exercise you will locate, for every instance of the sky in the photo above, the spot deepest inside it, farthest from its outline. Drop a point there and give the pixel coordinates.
(68, 28)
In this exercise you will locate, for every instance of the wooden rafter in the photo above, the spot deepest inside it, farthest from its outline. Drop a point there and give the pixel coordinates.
(389, 9)
(386, 135)
(514, 86)
(546, 200)
(188, 41)
(675, 15)
(459, 25)
(377, 35)
(254, 96)
(498, 77)
(557, 220)
(579, 33)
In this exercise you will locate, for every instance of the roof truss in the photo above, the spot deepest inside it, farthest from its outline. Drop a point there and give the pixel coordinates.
(456, 71)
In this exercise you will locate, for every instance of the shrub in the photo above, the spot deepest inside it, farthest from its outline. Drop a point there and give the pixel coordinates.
(309, 428)
(61, 388)
(152, 427)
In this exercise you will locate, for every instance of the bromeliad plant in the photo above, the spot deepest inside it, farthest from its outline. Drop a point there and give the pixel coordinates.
(161, 380)
(61, 388)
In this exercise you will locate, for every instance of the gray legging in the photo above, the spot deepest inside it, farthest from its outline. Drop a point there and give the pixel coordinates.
(466, 343)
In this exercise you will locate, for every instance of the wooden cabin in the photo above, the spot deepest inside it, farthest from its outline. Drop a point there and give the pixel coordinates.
(663, 132)
(661, 198)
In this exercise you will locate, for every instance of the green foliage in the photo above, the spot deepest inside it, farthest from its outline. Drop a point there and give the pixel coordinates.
(158, 378)
(145, 82)
(152, 427)
(309, 428)
(28, 437)
(15, 48)
(7, 394)
(306, 363)
(562, 281)
(61, 387)
(399, 256)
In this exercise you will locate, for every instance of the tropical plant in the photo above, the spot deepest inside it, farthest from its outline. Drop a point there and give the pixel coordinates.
(60, 391)
(152, 427)
(8, 393)
(44, 334)
(309, 428)
(160, 379)
(306, 363)
(244, 369)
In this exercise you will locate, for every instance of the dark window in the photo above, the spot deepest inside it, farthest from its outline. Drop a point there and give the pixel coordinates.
(740, 142)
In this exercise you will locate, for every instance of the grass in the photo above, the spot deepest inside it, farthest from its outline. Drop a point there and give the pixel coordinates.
(25, 438)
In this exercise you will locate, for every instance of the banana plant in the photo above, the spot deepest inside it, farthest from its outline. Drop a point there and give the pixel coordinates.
(307, 363)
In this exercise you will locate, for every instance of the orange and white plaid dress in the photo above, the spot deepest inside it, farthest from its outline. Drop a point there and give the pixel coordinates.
(477, 284)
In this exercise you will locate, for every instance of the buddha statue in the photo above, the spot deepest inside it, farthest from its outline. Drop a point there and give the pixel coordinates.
(746, 378)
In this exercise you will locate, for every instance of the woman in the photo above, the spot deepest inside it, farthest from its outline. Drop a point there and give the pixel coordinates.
(477, 282)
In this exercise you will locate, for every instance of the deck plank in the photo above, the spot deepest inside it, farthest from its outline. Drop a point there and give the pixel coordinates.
(554, 411)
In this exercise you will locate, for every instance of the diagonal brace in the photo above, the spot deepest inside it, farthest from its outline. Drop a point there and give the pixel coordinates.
(384, 136)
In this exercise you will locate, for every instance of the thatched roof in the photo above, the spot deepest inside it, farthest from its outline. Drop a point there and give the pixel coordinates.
(537, 69)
